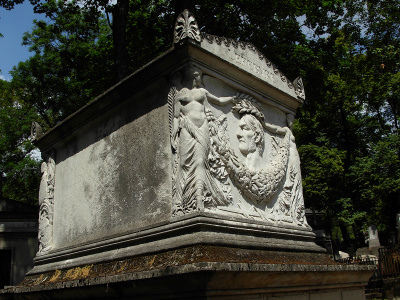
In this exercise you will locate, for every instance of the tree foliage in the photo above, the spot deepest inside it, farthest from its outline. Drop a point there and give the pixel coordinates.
(19, 171)
(71, 62)
(355, 111)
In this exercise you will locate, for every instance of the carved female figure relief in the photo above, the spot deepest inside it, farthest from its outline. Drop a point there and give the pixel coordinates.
(291, 201)
(46, 202)
(194, 186)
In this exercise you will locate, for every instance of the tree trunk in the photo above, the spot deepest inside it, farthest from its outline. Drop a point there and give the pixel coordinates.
(346, 238)
(119, 22)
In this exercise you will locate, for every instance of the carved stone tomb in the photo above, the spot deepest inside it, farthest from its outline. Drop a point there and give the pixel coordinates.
(186, 168)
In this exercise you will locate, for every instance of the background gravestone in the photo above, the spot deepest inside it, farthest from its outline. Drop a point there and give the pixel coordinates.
(373, 237)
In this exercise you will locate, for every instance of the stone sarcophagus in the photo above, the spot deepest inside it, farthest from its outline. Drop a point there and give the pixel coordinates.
(182, 181)
(194, 148)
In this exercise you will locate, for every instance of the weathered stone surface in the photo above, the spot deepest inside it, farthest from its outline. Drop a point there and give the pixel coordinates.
(114, 176)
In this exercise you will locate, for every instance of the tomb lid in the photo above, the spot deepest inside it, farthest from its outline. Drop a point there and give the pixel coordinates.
(241, 54)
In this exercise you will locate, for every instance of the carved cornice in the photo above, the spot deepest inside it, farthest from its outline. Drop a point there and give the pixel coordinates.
(186, 27)
(236, 44)
(245, 45)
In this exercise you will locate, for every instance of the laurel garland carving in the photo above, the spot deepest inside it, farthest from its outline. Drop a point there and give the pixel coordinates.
(217, 130)
(246, 104)
(222, 166)
(259, 186)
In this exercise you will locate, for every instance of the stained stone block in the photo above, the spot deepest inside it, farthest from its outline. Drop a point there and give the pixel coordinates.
(194, 149)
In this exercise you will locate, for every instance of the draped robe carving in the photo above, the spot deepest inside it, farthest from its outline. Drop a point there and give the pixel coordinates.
(194, 185)
(46, 202)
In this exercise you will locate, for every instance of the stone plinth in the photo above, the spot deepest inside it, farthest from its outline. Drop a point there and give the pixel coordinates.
(203, 272)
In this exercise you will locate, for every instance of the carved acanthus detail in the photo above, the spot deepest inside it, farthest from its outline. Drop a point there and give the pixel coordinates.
(36, 131)
(299, 88)
(186, 27)
(46, 203)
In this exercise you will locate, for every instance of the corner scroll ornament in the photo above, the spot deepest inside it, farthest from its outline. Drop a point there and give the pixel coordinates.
(46, 203)
(186, 27)
(299, 88)
(36, 131)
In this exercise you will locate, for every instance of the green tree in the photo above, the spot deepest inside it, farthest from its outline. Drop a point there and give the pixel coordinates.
(19, 170)
(70, 66)
(355, 110)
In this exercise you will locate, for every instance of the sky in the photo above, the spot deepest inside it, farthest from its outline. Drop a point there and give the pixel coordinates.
(13, 24)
